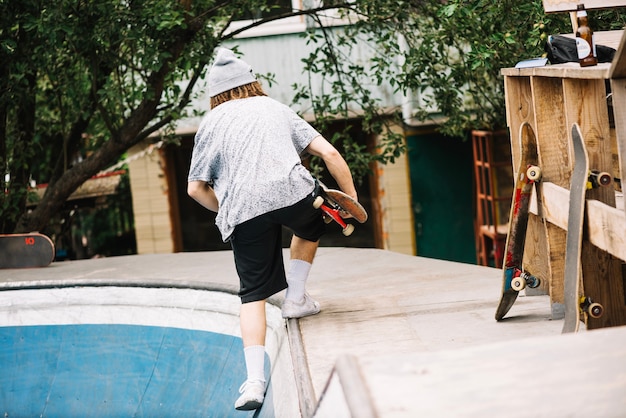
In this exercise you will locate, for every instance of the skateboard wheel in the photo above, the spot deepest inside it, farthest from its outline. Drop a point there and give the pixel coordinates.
(317, 203)
(533, 173)
(348, 230)
(595, 310)
(535, 282)
(599, 179)
(518, 283)
(531, 281)
(604, 179)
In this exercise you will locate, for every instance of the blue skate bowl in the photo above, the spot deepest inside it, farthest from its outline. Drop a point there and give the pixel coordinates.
(114, 351)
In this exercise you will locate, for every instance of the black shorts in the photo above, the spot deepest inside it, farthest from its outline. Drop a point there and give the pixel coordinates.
(257, 247)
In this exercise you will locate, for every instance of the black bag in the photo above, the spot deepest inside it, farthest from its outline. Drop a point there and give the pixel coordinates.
(562, 49)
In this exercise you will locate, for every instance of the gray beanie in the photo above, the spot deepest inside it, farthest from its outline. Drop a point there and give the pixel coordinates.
(228, 72)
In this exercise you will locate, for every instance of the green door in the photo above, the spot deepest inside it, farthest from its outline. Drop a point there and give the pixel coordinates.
(443, 197)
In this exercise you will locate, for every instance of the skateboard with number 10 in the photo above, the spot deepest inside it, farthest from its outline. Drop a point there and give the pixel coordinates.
(25, 250)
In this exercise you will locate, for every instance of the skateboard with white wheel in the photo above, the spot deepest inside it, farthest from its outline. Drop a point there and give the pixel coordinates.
(336, 205)
(521, 279)
(514, 278)
(591, 308)
(575, 303)
(598, 179)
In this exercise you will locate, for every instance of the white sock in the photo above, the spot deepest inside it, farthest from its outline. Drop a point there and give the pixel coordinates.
(296, 279)
(255, 362)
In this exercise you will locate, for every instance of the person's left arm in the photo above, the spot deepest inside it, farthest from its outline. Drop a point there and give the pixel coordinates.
(335, 164)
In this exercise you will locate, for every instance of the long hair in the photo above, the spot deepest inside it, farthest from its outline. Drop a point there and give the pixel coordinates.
(241, 92)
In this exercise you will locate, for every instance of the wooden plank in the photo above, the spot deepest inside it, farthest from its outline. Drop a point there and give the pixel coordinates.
(603, 283)
(350, 389)
(555, 204)
(535, 261)
(554, 6)
(555, 226)
(618, 66)
(551, 129)
(519, 109)
(555, 163)
(304, 385)
(567, 70)
(618, 88)
(592, 116)
(603, 226)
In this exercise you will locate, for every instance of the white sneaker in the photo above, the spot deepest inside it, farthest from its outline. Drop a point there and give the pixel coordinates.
(252, 395)
(300, 309)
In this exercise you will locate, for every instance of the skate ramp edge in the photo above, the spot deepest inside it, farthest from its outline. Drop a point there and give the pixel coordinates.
(577, 375)
(346, 394)
(112, 350)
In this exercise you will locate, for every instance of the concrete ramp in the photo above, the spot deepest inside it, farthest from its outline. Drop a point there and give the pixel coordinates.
(398, 336)
(113, 351)
(574, 375)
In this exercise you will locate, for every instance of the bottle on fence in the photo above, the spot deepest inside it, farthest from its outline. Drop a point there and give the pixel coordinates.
(585, 44)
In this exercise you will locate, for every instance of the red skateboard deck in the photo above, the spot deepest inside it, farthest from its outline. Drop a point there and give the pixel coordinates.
(25, 250)
(514, 278)
(336, 205)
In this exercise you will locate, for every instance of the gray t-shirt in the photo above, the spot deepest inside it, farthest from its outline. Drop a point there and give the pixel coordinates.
(250, 150)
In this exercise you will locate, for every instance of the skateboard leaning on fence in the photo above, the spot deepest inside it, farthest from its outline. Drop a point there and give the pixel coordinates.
(25, 250)
(514, 278)
(582, 179)
(336, 205)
